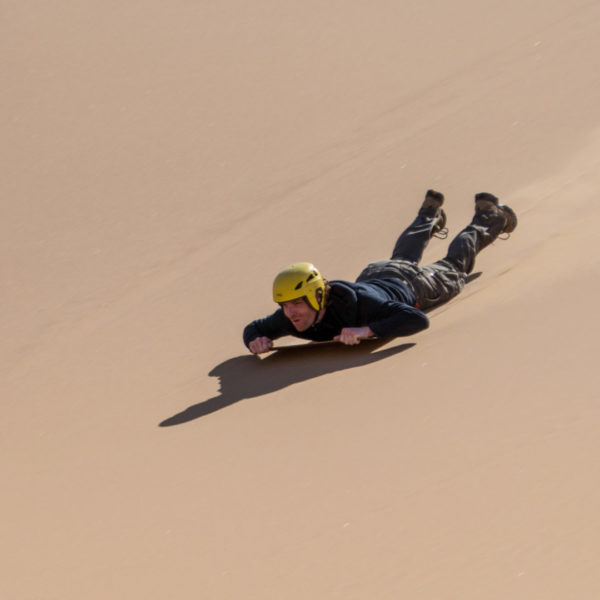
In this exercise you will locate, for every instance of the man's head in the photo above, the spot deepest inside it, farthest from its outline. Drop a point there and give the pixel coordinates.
(300, 291)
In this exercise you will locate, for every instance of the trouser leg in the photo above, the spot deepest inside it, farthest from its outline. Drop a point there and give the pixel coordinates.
(439, 282)
(409, 247)
(431, 285)
(412, 242)
(481, 232)
(428, 285)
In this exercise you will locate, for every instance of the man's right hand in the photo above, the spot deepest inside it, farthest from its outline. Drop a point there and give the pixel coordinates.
(260, 345)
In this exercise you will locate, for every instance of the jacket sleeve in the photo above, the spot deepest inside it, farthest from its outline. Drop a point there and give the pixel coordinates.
(274, 326)
(395, 319)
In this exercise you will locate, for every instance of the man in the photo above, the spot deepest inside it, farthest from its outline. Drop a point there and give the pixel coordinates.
(388, 297)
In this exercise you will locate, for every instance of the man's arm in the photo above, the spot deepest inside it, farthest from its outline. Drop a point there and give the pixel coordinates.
(395, 319)
(260, 345)
(259, 335)
(383, 306)
(352, 335)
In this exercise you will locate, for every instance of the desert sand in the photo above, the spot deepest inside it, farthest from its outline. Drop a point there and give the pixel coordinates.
(161, 163)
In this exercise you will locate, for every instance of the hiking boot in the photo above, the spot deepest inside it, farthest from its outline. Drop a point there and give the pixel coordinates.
(511, 218)
(490, 213)
(432, 209)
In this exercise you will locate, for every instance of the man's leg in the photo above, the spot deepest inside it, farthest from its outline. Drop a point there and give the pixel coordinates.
(430, 220)
(411, 244)
(490, 220)
(439, 282)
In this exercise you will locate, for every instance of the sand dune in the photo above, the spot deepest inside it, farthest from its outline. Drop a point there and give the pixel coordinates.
(162, 163)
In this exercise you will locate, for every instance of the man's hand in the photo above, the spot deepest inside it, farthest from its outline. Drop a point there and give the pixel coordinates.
(352, 335)
(260, 344)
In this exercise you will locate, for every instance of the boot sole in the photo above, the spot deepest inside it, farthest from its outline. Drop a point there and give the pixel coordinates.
(511, 218)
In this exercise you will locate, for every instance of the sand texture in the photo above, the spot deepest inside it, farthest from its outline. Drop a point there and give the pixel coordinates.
(161, 162)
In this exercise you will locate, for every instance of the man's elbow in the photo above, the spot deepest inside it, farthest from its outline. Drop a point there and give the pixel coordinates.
(420, 323)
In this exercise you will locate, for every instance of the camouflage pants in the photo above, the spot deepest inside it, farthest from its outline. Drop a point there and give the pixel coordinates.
(440, 281)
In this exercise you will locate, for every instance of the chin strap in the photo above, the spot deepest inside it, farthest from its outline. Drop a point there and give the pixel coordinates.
(316, 317)
(321, 306)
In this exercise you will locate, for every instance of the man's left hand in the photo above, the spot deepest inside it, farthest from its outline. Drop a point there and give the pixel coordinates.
(352, 335)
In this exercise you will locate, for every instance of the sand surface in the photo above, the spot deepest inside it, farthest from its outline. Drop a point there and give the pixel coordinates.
(161, 162)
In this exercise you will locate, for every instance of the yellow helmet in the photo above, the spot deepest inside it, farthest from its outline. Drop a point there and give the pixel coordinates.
(300, 280)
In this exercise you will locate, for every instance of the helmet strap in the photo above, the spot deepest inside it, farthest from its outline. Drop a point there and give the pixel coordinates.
(319, 296)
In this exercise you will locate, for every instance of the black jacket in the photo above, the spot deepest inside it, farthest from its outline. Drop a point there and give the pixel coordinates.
(385, 305)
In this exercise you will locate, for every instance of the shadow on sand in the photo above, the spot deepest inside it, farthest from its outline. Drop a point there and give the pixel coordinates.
(248, 376)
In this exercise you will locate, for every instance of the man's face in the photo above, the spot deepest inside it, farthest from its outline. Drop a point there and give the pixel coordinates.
(299, 313)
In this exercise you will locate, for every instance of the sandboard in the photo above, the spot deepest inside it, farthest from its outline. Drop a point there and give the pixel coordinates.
(309, 344)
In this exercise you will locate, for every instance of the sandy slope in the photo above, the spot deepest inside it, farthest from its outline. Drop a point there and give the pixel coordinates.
(161, 163)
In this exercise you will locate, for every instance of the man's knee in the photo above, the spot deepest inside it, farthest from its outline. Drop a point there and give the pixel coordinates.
(437, 284)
